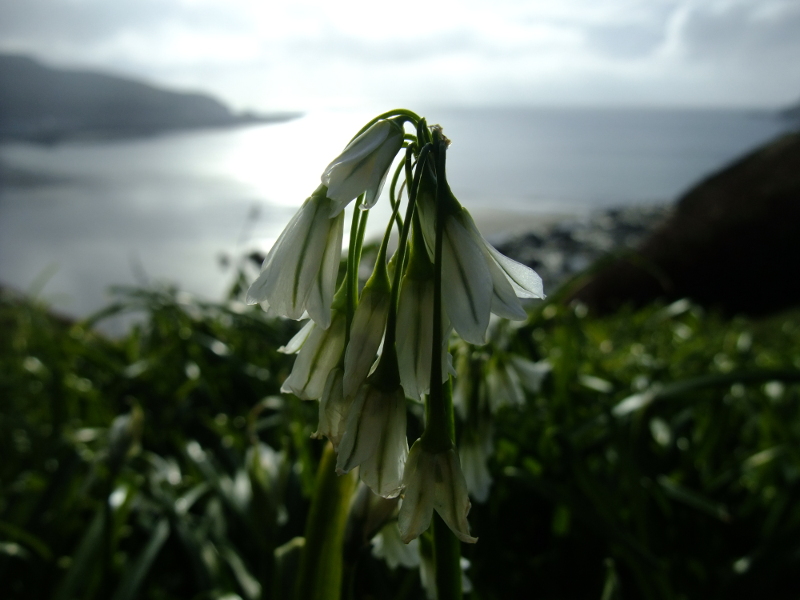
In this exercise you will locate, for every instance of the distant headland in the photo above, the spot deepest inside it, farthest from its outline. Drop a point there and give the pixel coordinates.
(46, 105)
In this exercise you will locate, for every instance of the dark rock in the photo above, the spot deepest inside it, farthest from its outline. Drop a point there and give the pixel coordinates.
(733, 242)
(561, 250)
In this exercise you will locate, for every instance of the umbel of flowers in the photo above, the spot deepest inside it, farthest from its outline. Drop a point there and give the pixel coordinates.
(365, 353)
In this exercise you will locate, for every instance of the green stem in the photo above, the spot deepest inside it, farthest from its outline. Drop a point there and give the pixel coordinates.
(320, 573)
(397, 112)
(351, 277)
(393, 199)
(437, 431)
(440, 425)
(391, 321)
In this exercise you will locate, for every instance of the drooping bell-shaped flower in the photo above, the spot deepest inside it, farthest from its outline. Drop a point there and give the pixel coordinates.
(299, 273)
(333, 407)
(415, 324)
(367, 329)
(388, 546)
(503, 384)
(474, 449)
(375, 437)
(433, 480)
(319, 352)
(478, 280)
(363, 164)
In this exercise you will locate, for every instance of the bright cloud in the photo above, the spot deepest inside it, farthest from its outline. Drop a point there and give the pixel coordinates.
(313, 53)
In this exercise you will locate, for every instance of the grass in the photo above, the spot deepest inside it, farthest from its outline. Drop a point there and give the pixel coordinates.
(658, 459)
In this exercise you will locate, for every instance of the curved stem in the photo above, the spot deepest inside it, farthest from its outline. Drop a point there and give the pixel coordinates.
(351, 273)
(391, 321)
(397, 112)
(393, 199)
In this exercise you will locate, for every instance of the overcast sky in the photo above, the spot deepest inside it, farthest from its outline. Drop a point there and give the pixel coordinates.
(306, 54)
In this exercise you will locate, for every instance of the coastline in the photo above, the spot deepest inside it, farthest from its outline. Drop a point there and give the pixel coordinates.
(559, 246)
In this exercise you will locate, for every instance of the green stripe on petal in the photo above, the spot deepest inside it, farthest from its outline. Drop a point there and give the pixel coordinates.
(466, 283)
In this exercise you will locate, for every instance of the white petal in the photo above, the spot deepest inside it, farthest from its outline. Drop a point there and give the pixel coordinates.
(320, 297)
(383, 471)
(374, 193)
(525, 281)
(504, 387)
(434, 480)
(363, 163)
(294, 262)
(388, 546)
(318, 356)
(450, 499)
(417, 509)
(466, 283)
(333, 408)
(504, 301)
(294, 345)
(366, 333)
(283, 251)
(375, 440)
(475, 469)
(531, 374)
(415, 337)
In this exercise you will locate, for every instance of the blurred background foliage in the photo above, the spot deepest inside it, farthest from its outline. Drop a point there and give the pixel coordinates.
(658, 458)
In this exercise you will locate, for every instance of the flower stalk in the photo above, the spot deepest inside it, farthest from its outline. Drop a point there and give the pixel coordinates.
(447, 277)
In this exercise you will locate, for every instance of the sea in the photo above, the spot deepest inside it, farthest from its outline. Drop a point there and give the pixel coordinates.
(184, 208)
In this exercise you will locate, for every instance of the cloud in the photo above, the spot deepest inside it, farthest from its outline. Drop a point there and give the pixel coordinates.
(744, 34)
(312, 52)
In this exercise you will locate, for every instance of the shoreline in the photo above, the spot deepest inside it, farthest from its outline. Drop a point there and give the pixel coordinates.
(559, 247)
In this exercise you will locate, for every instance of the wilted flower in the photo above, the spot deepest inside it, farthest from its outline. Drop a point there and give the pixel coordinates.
(363, 164)
(478, 280)
(375, 439)
(319, 351)
(366, 331)
(299, 273)
(433, 480)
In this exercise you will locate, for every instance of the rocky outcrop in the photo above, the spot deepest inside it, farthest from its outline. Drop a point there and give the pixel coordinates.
(732, 242)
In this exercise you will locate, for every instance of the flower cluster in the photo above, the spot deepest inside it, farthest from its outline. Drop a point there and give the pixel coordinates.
(364, 353)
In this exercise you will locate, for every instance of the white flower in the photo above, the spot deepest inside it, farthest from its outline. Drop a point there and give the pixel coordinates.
(363, 164)
(531, 374)
(333, 407)
(387, 545)
(478, 280)
(433, 480)
(415, 336)
(375, 439)
(366, 332)
(320, 350)
(509, 376)
(299, 273)
(474, 450)
(504, 385)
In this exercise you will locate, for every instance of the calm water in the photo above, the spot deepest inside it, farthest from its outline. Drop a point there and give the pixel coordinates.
(166, 208)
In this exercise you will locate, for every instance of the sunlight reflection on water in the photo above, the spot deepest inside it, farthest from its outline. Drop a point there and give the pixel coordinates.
(82, 216)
